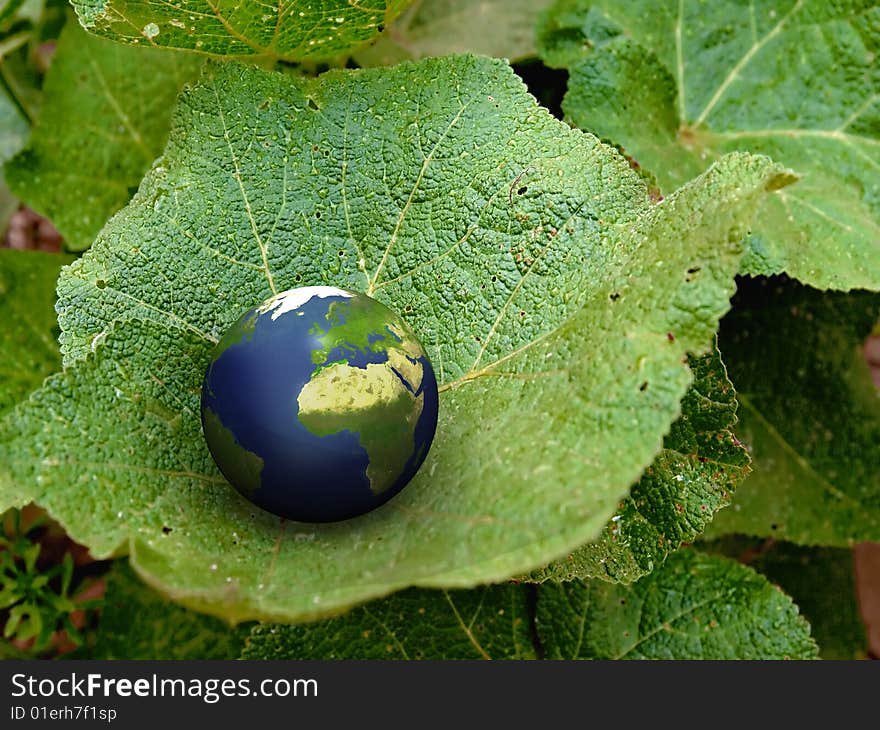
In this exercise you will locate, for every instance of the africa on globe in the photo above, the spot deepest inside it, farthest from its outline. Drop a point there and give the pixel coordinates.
(319, 405)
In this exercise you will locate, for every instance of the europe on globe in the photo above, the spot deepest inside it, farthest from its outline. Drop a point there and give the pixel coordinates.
(319, 405)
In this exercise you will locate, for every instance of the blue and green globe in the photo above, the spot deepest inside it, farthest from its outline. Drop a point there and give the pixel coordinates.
(319, 405)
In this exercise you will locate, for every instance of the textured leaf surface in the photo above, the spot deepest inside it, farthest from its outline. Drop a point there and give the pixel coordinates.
(293, 30)
(138, 623)
(678, 495)
(105, 118)
(695, 606)
(483, 623)
(28, 347)
(526, 256)
(808, 411)
(819, 580)
(678, 83)
(502, 28)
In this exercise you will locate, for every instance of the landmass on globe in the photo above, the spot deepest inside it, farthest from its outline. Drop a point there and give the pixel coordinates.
(320, 404)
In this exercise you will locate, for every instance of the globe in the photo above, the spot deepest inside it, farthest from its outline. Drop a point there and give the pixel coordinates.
(319, 405)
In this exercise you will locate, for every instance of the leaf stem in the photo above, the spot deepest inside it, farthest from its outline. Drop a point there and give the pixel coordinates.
(8, 87)
(8, 46)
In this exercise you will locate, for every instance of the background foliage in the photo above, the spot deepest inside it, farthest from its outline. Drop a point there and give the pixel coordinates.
(572, 278)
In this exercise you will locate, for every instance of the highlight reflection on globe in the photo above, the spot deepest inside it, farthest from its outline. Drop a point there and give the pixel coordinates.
(319, 405)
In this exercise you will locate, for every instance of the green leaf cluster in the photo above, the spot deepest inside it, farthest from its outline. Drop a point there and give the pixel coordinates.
(677, 84)
(543, 199)
(809, 411)
(36, 600)
(628, 312)
(104, 120)
(820, 580)
(696, 606)
(690, 480)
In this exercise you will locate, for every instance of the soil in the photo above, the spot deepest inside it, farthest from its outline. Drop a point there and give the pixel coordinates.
(29, 231)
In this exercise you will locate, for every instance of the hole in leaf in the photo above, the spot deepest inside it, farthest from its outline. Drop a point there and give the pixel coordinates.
(312, 105)
(100, 283)
(166, 530)
(614, 297)
(523, 190)
(644, 386)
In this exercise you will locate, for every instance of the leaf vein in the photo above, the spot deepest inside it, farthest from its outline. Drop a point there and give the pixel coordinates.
(244, 195)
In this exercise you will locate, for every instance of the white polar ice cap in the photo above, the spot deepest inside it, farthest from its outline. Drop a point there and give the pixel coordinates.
(293, 299)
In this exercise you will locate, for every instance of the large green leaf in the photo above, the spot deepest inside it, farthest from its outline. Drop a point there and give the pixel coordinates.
(691, 479)
(138, 623)
(295, 30)
(28, 347)
(679, 83)
(556, 301)
(482, 623)
(105, 118)
(695, 606)
(502, 28)
(820, 580)
(808, 411)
